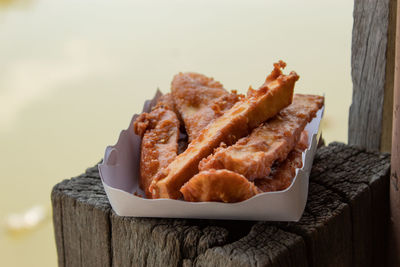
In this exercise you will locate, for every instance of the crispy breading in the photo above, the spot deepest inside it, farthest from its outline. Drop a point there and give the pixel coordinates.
(199, 100)
(218, 185)
(275, 94)
(146, 121)
(253, 155)
(282, 175)
(159, 130)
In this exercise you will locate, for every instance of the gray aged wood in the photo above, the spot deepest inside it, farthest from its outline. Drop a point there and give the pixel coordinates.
(326, 228)
(82, 222)
(343, 225)
(372, 62)
(356, 178)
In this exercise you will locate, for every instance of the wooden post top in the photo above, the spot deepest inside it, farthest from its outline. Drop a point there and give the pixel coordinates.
(344, 224)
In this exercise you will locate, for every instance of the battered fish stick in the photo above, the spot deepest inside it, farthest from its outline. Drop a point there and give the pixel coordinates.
(282, 175)
(159, 130)
(275, 94)
(253, 156)
(218, 185)
(199, 100)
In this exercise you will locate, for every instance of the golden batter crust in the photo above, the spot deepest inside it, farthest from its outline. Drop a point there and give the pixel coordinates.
(159, 130)
(199, 100)
(218, 185)
(253, 156)
(275, 94)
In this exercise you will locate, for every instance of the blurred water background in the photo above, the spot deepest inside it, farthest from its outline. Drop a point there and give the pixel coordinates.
(72, 73)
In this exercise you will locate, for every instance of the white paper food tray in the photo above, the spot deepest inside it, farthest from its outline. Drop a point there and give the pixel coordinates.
(119, 173)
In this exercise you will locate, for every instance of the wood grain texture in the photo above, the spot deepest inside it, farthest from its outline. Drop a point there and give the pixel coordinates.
(387, 126)
(358, 177)
(394, 253)
(264, 245)
(326, 228)
(81, 214)
(372, 63)
(343, 221)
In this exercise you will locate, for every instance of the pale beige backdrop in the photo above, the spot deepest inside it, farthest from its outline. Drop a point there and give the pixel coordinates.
(73, 72)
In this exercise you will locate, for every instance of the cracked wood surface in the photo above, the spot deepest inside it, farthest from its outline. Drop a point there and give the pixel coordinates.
(344, 224)
(372, 71)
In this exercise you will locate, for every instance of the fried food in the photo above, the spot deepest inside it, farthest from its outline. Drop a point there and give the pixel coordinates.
(282, 175)
(218, 185)
(259, 105)
(253, 156)
(199, 100)
(146, 121)
(159, 130)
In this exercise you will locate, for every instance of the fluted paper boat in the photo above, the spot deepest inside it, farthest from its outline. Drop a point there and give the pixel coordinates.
(119, 173)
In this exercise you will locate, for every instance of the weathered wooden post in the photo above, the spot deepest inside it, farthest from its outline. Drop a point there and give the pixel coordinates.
(372, 71)
(374, 118)
(344, 224)
(395, 161)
